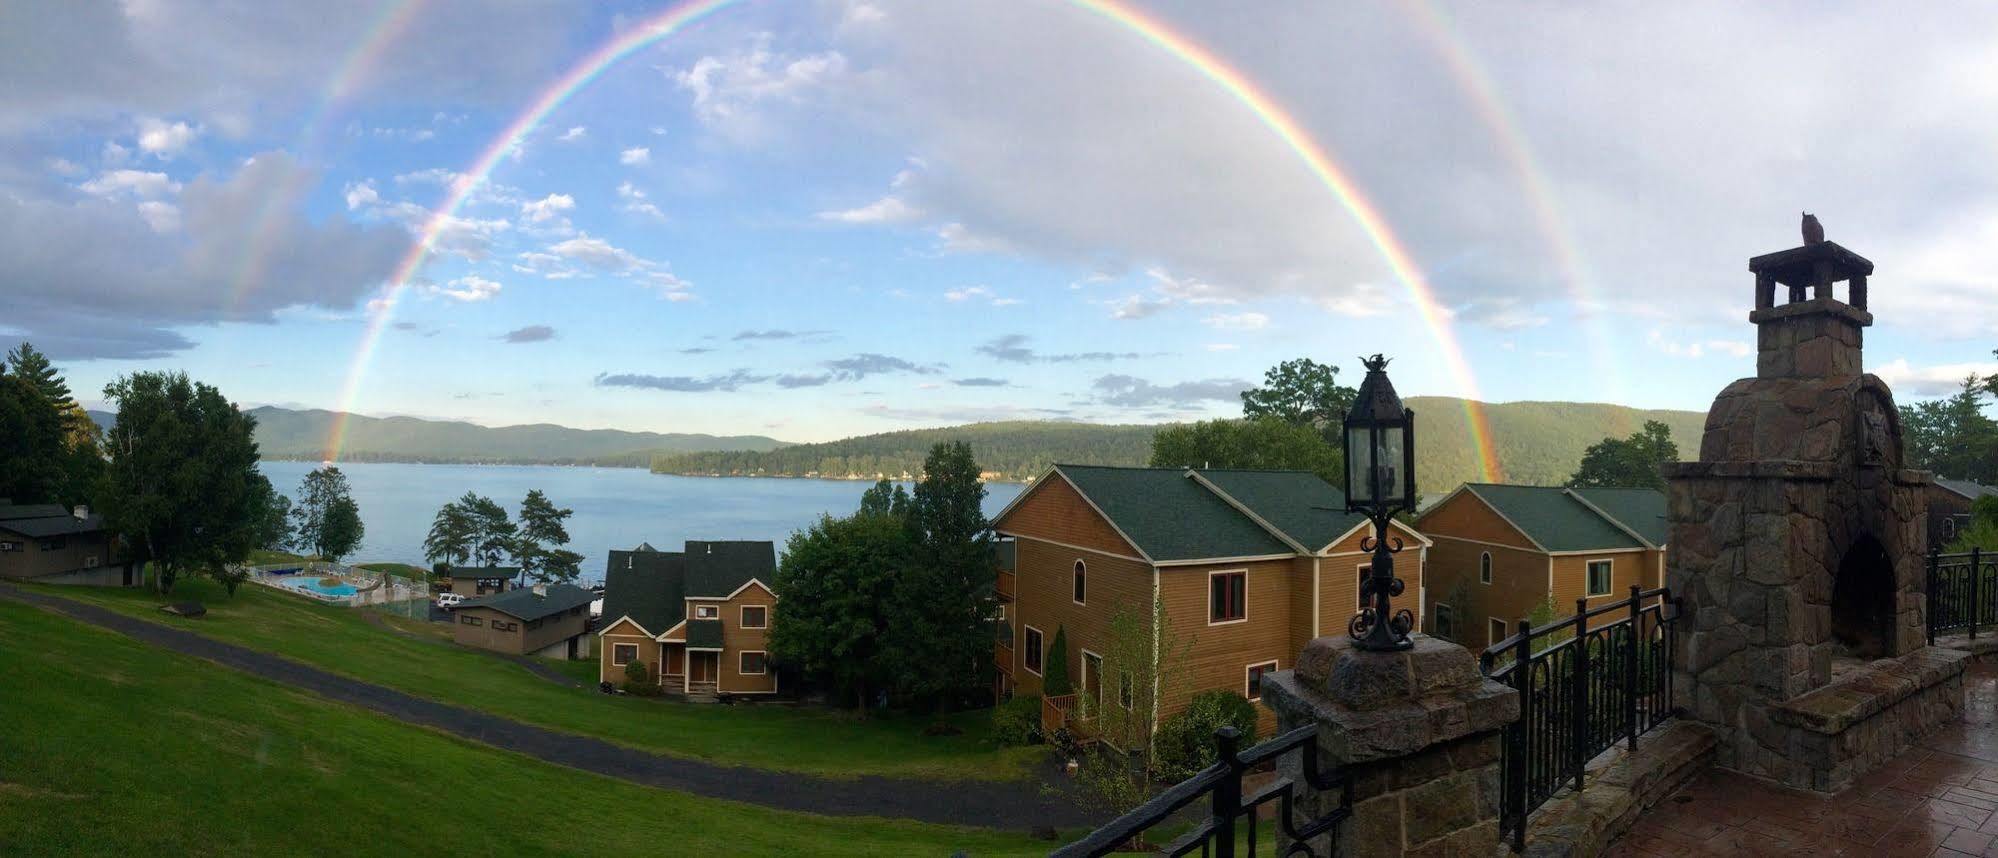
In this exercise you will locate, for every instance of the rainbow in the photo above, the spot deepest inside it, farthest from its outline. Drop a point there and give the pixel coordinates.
(1471, 76)
(391, 18)
(1265, 108)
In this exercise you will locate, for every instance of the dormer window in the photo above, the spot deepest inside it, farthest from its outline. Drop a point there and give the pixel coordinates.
(707, 612)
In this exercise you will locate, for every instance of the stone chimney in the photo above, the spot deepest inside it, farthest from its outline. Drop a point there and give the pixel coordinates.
(1814, 337)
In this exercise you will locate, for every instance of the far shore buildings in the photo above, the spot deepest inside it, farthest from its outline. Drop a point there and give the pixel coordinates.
(551, 621)
(1247, 565)
(698, 619)
(1500, 551)
(52, 545)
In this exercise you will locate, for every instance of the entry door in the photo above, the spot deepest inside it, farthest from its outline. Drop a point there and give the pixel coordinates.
(702, 666)
(1092, 683)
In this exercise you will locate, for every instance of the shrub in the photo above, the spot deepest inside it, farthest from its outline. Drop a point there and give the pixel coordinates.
(1055, 682)
(1186, 740)
(1017, 721)
(635, 673)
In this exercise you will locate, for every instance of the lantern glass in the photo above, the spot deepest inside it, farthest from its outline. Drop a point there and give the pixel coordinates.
(1359, 463)
(1387, 464)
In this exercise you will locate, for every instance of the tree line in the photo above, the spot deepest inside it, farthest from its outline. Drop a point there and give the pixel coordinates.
(476, 528)
(1954, 436)
(1018, 450)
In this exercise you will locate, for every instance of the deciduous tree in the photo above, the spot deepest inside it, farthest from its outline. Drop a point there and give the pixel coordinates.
(1635, 462)
(1257, 442)
(183, 484)
(837, 579)
(328, 522)
(1301, 392)
(1953, 436)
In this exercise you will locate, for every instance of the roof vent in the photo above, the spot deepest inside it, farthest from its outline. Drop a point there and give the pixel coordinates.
(540, 589)
(81, 512)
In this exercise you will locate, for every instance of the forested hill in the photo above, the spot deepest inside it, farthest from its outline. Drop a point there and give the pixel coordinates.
(1538, 443)
(287, 434)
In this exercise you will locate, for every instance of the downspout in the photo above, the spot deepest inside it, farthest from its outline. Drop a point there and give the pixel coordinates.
(1314, 596)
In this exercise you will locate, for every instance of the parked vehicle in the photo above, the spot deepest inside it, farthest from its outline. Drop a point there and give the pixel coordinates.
(449, 600)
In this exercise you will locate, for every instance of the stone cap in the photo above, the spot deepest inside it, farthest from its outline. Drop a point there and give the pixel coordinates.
(1813, 307)
(1768, 469)
(1378, 705)
(1798, 265)
(1869, 690)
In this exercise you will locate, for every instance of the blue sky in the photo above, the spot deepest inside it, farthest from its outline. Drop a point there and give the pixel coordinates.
(815, 219)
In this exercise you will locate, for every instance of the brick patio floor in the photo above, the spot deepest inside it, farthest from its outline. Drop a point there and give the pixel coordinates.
(1940, 799)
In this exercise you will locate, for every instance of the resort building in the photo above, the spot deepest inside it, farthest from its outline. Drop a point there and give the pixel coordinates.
(474, 581)
(49, 544)
(1502, 551)
(698, 619)
(1246, 566)
(547, 620)
(1949, 509)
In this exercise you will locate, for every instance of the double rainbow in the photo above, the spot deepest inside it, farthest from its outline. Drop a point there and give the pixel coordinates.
(1265, 108)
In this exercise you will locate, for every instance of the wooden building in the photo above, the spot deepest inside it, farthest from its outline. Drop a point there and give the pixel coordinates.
(698, 619)
(544, 620)
(52, 545)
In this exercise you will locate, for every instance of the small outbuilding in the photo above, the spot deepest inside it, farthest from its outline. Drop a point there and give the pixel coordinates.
(52, 545)
(551, 621)
(474, 581)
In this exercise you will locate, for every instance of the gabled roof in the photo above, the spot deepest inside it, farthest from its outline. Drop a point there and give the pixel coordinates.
(1169, 516)
(704, 634)
(1641, 510)
(646, 585)
(10, 511)
(59, 524)
(718, 569)
(529, 606)
(1966, 488)
(482, 572)
(1300, 504)
(1561, 519)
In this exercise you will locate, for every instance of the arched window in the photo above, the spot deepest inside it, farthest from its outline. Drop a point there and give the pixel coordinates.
(1081, 583)
(1949, 527)
(1485, 568)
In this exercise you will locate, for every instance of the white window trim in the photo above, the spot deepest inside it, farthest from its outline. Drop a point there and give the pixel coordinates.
(1949, 527)
(1587, 565)
(1247, 670)
(1503, 633)
(713, 612)
(1079, 571)
(1485, 568)
(742, 614)
(1436, 611)
(1244, 572)
(1023, 649)
(634, 654)
(766, 663)
(1082, 670)
(1360, 573)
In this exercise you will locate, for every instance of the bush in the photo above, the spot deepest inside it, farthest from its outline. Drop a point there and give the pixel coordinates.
(1017, 721)
(1055, 682)
(1186, 740)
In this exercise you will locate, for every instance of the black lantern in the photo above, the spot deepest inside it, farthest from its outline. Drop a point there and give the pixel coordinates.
(1380, 481)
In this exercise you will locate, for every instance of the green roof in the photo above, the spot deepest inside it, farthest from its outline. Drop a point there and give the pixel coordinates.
(1169, 515)
(1641, 510)
(646, 585)
(1300, 504)
(529, 606)
(1556, 519)
(483, 572)
(719, 569)
(704, 634)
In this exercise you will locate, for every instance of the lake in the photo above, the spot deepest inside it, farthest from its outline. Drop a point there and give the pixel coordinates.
(615, 507)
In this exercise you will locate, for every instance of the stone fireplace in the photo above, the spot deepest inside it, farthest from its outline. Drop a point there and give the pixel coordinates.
(1797, 543)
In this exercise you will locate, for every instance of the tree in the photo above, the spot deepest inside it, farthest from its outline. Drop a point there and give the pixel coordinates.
(492, 531)
(1953, 436)
(271, 515)
(885, 498)
(183, 481)
(1054, 668)
(31, 445)
(1255, 442)
(450, 538)
(1300, 392)
(1982, 531)
(941, 628)
(538, 549)
(1635, 462)
(837, 579)
(34, 366)
(327, 520)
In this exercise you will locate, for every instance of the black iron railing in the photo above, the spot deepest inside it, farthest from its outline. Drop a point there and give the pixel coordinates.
(1963, 593)
(1583, 686)
(1231, 822)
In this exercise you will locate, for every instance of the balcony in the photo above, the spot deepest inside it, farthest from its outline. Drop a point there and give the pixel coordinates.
(1002, 655)
(1007, 585)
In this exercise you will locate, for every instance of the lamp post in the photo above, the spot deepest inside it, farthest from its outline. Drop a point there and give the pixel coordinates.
(1380, 481)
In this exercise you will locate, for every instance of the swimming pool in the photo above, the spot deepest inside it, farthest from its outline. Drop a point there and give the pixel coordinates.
(310, 584)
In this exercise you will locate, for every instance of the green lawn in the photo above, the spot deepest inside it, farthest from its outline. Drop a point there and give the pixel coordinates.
(113, 747)
(795, 738)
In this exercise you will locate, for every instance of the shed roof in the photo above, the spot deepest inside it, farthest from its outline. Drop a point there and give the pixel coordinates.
(1641, 510)
(1966, 488)
(1301, 504)
(482, 572)
(704, 634)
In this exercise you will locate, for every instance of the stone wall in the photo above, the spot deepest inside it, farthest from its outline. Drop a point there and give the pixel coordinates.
(1826, 739)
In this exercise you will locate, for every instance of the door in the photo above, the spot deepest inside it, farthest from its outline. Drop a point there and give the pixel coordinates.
(1092, 683)
(702, 666)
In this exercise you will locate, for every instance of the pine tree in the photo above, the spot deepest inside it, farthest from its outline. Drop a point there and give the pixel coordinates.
(538, 548)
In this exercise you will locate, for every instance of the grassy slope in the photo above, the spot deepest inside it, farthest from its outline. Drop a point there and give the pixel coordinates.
(764, 736)
(132, 750)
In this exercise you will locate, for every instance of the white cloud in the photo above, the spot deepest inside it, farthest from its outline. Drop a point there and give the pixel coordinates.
(136, 183)
(1137, 307)
(1926, 381)
(1007, 302)
(574, 134)
(635, 156)
(65, 167)
(1222, 347)
(161, 139)
(1698, 348)
(596, 253)
(115, 154)
(362, 195)
(432, 176)
(468, 289)
(888, 209)
(161, 216)
(966, 293)
(1361, 301)
(635, 201)
(548, 208)
(730, 91)
(1238, 321)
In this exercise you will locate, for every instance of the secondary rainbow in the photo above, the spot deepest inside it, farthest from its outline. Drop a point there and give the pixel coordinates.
(1265, 108)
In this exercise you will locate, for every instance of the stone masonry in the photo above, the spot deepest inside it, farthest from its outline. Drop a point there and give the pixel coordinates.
(1797, 543)
(1417, 733)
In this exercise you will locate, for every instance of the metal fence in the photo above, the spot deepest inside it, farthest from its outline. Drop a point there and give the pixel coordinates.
(1230, 825)
(1963, 593)
(1583, 687)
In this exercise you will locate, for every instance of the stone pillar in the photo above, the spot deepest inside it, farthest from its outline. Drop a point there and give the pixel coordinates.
(1417, 734)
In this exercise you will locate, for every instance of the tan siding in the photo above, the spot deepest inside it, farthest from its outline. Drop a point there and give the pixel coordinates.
(1219, 654)
(1467, 516)
(736, 640)
(1046, 602)
(1300, 603)
(555, 629)
(1055, 512)
(1627, 568)
(483, 635)
(1519, 584)
(79, 551)
(648, 652)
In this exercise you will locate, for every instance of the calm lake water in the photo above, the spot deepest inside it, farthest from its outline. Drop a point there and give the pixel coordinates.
(615, 507)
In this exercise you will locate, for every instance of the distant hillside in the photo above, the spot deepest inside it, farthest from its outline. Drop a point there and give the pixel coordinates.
(1537, 442)
(286, 434)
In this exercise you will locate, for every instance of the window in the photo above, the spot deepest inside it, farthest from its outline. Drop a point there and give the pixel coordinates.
(10, 546)
(1226, 591)
(1033, 653)
(1252, 687)
(1092, 680)
(1496, 633)
(707, 612)
(755, 617)
(1600, 577)
(752, 663)
(470, 620)
(623, 654)
(1446, 622)
(576, 611)
(1949, 527)
(1485, 568)
(533, 624)
(55, 544)
(999, 612)
(1081, 593)
(1360, 586)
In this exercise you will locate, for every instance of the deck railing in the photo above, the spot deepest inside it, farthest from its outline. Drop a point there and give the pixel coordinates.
(1008, 585)
(1582, 688)
(1963, 593)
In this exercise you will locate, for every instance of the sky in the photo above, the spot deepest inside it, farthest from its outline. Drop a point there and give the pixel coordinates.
(816, 219)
